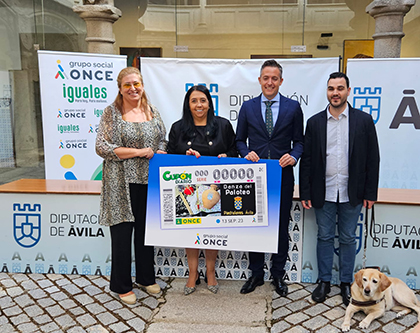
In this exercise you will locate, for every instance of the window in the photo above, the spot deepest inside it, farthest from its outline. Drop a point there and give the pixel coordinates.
(251, 2)
(172, 2)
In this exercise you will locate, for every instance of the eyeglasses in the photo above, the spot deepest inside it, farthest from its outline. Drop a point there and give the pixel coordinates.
(128, 85)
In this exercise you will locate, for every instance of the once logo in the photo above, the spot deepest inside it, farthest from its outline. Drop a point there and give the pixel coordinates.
(192, 220)
(60, 72)
(74, 144)
(27, 224)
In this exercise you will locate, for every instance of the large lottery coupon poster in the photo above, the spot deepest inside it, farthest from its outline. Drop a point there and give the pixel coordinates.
(213, 203)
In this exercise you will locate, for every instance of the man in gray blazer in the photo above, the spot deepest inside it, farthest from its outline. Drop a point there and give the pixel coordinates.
(339, 173)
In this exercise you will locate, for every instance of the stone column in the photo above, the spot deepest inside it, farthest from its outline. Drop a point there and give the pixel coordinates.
(99, 16)
(389, 19)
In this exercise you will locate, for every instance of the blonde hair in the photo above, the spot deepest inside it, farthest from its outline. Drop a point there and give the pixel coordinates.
(119, 99)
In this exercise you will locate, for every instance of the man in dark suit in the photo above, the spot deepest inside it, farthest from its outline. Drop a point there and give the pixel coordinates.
(273, 126)
(339, 173)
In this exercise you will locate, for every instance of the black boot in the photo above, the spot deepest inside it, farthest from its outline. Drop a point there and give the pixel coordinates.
(345, 292)
(321, 291)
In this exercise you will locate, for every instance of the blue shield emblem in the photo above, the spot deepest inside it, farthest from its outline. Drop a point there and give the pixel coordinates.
(229, 264)
(307, 278)
(62, 269)
(39, 268)
(86, 269)
(244, 264)
(411, 283)
(266, 276)
(237, 203)
(27, 224)
(368, 99)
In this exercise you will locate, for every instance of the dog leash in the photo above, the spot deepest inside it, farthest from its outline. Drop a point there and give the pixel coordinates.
(371, 231)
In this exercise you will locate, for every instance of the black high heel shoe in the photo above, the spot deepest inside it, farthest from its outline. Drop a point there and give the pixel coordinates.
(198, 281)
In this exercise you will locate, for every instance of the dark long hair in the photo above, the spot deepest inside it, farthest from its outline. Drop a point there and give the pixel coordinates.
(187, 121)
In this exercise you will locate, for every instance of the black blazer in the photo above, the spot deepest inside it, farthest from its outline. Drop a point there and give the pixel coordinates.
(222, 143)
(363, 159)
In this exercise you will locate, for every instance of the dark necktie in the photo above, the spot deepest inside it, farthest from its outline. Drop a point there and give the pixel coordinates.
(268, 117)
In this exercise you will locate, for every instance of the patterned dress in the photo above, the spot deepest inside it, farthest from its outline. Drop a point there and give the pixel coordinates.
(117, 174)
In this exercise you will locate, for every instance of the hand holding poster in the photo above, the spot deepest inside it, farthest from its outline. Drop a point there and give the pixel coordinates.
(213, 203)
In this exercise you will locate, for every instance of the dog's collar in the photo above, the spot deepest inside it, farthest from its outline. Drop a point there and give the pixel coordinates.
(366, 303)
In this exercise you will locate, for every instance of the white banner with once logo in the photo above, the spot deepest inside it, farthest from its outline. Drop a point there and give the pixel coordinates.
(232, 82)
(75, 89)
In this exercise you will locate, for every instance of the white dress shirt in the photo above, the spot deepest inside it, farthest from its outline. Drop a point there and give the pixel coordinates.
(337, 168)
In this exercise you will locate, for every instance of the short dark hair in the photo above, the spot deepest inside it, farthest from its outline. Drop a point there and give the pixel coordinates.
(188, 127)
(337, 75)
(272, 63)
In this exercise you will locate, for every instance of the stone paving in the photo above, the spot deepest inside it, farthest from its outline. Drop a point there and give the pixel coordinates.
(75, 304)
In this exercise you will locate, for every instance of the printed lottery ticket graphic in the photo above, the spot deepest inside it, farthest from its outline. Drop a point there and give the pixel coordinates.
(213, 196)
(195, 200)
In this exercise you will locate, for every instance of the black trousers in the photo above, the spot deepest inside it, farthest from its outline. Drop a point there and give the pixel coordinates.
(121, 243)
(278, 260)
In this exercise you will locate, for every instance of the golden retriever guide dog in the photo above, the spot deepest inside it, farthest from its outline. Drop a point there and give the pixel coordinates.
(373, 293)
